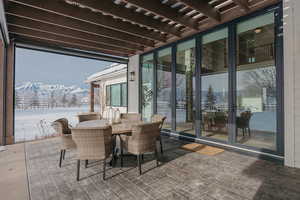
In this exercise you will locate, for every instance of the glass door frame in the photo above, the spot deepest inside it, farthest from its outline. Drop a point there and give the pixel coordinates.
(232, 47)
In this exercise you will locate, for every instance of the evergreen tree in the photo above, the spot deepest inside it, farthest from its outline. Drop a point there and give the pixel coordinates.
(73, 101)
(35, 100)
(17, 100)
(64, 100)
(52, 100)
(210, 99)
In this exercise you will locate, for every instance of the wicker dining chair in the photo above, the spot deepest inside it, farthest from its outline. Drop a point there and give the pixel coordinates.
(142, 140)
(61, 126)
(130, 117)
(161, 119)
(93, 144)
(89, 116)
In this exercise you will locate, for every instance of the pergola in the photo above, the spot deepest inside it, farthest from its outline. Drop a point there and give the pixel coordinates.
(113, 30)
(118, 27)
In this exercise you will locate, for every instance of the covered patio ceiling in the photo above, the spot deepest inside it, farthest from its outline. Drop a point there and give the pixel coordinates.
(119, 27)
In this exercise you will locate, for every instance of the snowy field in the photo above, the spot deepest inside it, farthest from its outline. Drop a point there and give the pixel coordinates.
(35, 123)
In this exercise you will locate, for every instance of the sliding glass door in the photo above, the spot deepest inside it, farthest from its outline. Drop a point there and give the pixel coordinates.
(164, 85)
(221, 85)
(256, 94)
(214, 85)
(185, 87)
(147, 65)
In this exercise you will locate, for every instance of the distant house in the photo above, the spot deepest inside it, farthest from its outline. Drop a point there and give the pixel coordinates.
(111, 88)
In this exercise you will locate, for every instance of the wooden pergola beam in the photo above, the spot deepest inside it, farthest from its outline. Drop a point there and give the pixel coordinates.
(203, 7)
(50, 28)
(108, 7)
(52, 18)
(234, 13)
(3, 23)
(33, 33)
(163, 10)
(61, 8)
(244, 4)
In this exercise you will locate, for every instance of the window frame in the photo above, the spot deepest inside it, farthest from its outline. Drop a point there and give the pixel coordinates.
(109, 97)
(278, 54)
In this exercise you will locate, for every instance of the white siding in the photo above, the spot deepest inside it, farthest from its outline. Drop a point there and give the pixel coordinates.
(133, 86)
(292, 82)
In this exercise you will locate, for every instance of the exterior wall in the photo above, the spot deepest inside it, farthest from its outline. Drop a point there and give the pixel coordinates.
(105, 110)
(2, 62)
(291, 9)
(133, 86)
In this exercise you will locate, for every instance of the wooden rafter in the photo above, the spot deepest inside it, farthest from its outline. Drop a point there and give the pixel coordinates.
(234, 13)
(59, 45)
(52, 18)
(244, 4)
(61, 8)
(204, 7)
(163, 10)
(59, 30)
(18, 30)
(108, 7)
(3, 23)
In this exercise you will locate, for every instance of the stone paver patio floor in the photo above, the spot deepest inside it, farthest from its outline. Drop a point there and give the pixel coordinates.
(181, 175)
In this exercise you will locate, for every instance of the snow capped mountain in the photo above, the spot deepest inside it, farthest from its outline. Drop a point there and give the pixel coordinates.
(43, 89)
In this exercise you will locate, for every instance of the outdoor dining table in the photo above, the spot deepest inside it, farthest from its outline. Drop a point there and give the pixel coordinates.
(118, 129)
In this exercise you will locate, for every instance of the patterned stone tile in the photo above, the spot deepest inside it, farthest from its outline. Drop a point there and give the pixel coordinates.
(182, 175)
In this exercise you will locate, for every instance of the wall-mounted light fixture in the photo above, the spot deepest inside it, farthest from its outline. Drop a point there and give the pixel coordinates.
(258, 30)
(132, 76)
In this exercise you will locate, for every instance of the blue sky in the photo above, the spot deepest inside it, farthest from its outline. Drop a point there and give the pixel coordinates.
(54, 68)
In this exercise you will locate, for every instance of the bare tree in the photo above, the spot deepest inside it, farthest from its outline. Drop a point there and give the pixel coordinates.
(258, 79)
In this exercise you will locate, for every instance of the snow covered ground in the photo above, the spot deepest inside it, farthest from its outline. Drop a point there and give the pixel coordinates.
(35, 123)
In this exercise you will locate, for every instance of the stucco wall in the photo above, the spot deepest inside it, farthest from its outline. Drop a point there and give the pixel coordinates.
(133, 86)
(291, 10)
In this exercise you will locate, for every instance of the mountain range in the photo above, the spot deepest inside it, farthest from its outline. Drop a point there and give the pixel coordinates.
(46, 90)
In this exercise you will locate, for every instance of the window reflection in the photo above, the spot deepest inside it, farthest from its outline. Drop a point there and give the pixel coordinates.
(147, 85)
(164, 85)
(214, 85)
(185, 87)
(256, 83)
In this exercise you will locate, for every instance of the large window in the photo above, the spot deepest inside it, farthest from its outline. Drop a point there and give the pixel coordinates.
(116, 95)
(147, 86)
(221, 85)
(164, 85)
(185, 87)
(256, 82)
(214, 85)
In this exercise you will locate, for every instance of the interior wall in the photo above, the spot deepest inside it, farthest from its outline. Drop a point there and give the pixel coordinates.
(291, 9)
(133, 86)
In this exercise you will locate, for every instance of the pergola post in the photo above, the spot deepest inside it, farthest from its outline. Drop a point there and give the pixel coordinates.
(9, 98)
(92, 97)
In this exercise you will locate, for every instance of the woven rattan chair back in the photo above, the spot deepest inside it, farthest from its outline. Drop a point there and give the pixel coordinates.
(61, 127)
(130, 117)
(89, 116)
(93, 143)
(143, 138)
(158, 118)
